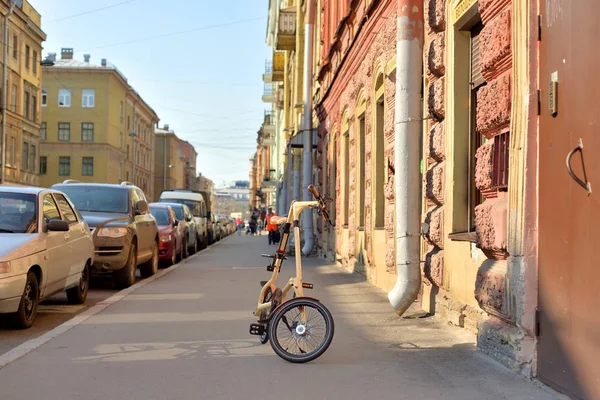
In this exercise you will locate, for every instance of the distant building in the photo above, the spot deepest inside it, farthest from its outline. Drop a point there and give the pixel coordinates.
(95, 126)
(23, 116)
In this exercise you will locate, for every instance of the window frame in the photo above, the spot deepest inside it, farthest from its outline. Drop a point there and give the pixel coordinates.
(61, 165)
(43, 131)
(66, 94)
(25, 156)
(68, 124)
(86, 95)
(27, 53)
(44, 97)
(53, 201)
(85, 130)
(63, 214)
(44, 170)
(85, 172)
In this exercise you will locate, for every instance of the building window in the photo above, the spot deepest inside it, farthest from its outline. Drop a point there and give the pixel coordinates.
(32, 158)
(27, 51)
(87, 132)
(88, 98)
(26, 102)
(64, 131)
(34, 106)
(64, 97)
(44, 97)
(346, 169)
(15, 46)
(13, 98)
(379, 165)
(128, 123)
(360, 171)
(477, 81)
(34, 62)
(11, 152)
(43, 131)
(120, 140)
(43, 165)
(500, 161)
(64, 166)
(87, 166)
(25, 159)
(121, 111)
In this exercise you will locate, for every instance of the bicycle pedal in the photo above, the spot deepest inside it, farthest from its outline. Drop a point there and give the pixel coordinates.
(257, 329)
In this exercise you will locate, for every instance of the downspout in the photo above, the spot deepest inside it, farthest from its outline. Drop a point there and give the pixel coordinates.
(307, 159)
(4, 89)
(407, 148)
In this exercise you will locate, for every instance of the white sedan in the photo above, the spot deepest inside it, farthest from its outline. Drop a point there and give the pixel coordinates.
(45, 248)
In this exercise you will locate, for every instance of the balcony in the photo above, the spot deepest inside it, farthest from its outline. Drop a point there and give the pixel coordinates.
(274, 69)
(286, 29)
(269, 181)
(269, 94)
(269, 124)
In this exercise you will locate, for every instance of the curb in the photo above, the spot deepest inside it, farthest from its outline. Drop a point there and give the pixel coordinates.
(27, 347)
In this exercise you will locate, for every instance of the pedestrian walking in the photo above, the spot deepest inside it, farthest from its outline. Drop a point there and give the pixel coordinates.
(253, 223)
(239, 225)
(271, 228)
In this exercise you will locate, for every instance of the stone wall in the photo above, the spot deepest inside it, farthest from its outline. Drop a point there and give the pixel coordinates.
(435, 157)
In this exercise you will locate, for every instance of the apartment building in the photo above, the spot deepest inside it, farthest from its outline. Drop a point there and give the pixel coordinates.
(23, 95)
(95, 126)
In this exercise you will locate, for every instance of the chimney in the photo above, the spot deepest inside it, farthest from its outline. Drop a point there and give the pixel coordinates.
(103, 62)
(166, 127)
(86, 58)
(52, 57)
(66, 53)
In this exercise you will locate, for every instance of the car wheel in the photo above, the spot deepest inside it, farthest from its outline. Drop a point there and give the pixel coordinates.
(173, 259)
(78, 294)
(125, 277)
(185, 250)
(150, 267)
(27, 311)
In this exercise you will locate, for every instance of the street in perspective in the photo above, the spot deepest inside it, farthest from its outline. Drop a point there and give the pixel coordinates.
(299, 198)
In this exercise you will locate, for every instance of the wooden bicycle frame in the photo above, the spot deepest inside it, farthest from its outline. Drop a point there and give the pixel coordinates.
(296, 282)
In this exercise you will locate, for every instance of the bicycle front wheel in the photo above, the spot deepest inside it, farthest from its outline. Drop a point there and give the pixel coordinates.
(301, 330)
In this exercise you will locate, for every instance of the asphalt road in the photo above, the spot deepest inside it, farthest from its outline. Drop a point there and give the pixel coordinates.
(53, 312)
(185, 336)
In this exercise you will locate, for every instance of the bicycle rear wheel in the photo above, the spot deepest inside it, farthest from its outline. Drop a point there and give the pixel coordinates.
(297, 340)
(264, 314)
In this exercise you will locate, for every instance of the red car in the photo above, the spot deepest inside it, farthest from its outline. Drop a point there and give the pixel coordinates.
(169, 229)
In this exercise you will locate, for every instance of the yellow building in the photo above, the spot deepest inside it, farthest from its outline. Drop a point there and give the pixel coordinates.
(25, 39)
(95, 126)
(169, 164)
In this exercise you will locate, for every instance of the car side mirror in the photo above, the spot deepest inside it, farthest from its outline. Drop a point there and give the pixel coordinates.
(58, 225)
(176, 223)
(141, 207)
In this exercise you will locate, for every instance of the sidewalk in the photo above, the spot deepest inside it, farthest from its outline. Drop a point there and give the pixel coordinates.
(185, 336)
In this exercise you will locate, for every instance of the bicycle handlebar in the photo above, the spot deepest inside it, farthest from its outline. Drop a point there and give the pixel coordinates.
(322, 204)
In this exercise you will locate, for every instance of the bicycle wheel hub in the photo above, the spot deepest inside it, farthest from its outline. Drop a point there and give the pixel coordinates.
(300, 330)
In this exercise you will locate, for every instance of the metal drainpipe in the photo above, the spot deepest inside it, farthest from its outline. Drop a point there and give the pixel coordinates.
(164, 162)
(297, 166)
(407, 148)
(307, 152)
(4, 86)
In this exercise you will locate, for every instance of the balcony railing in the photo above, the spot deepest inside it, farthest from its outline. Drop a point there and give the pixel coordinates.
(269, 91)
(269, 94)
(268, 67)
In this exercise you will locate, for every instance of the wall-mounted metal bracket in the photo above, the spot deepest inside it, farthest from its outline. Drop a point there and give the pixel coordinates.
(583, 183)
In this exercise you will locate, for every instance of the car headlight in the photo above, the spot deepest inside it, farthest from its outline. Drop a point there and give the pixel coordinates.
(112, 232)
(4, 267)
(165, 238)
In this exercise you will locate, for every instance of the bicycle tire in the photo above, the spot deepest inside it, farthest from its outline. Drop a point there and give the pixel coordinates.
(264, 314)
(278, 316)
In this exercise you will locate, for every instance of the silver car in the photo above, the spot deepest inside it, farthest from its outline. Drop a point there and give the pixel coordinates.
(45, 247)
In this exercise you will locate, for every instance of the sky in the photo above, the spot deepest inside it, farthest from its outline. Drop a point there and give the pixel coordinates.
(197, 63)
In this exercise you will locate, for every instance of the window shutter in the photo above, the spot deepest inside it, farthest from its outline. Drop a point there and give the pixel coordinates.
(476, 77)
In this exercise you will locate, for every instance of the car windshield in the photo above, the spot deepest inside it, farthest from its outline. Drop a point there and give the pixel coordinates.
(161, 215)
(194, 206)
(18, 213)
(98, 199)
(178, 212)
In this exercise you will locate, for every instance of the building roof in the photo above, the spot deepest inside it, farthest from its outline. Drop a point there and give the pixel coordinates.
(77, 64)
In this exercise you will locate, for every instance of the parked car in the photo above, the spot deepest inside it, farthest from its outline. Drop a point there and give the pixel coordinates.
(170, 231)
(125, 233)
(189, 227)
(216, 226)
(197, 205)
(45, 247)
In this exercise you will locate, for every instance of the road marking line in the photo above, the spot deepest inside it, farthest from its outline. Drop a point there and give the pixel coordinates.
(27, 347)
